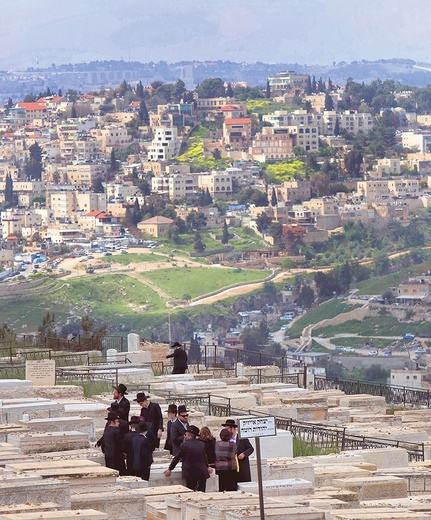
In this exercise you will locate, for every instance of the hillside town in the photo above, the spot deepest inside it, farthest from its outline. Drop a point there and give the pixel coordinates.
(74, 166)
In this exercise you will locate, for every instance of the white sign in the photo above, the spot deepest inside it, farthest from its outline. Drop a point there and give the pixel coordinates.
(256, 427)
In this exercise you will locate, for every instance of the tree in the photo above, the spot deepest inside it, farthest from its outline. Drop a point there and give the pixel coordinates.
(196, 220)
(199, 246)
(326, 284)
(293, 237)
(353, 162)
(308, 89)
(305, 297)
(194, 356)
(225, 235)
(92, 337)
(275, 230)
(73, 114)
(268, 90)
(97, 186)
(8, 191)
(229, 90)
(273, 197)
(143, 112)
(253, 196)
(46, 330)
(136, 213)
(337, 127)
(140, 90)
(114, 163)
(34, 168)
(263, 221)
(329, 102)
(178, 90)
(211, 88)
(216, 154)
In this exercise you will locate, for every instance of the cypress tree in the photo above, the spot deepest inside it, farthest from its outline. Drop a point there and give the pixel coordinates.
(273, 197)
(8, 191)
(225, 236)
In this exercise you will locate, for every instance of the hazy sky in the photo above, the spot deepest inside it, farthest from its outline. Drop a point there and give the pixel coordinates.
(302, 31)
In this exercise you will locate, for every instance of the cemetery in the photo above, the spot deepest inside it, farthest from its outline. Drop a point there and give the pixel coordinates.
(332, 456)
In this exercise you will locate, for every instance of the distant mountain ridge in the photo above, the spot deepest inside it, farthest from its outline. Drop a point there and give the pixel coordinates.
(406, 71)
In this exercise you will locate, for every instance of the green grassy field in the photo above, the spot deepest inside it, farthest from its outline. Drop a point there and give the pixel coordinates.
(326, 310)
(131, 258)
(369, 327)
(196, 281)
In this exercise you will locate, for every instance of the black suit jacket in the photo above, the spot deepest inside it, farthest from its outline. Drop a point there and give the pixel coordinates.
(153, 415)
(127, 449)
(124, 409)
(142, 454)
(113, 449)
(180, 358)
(168, 444)
(194, 460)
(177, 435)
(244, 446)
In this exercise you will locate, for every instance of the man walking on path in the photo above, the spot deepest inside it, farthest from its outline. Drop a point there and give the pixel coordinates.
(180, 359)
(172, 417)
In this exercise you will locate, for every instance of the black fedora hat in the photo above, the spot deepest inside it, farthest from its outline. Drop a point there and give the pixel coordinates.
(141, 396)
(194, 430)
(121, 388)
(134, 419)
(231, 423)
(182, 409)
(112, 416)
(172, 408)
(176, 344)
(114, 407)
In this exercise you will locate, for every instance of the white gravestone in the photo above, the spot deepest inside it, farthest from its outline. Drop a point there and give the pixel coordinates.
(41, 372)
(133, 341)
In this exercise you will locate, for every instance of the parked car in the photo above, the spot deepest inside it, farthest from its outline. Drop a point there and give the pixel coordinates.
(373, 353)
(409, 336)
(349, 349)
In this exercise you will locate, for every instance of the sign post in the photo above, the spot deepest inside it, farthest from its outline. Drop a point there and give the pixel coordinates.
(254, 428)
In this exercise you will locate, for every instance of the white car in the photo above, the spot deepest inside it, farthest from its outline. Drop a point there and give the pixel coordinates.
(373, 353)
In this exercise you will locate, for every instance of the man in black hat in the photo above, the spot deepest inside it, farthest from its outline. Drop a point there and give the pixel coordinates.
(113, 444)
(142, 452)
(127, 444)
(178, 428)
(243, 451)
(124, 405)
(172, 417)
(180, 359)
(195, 468)
(151, 413)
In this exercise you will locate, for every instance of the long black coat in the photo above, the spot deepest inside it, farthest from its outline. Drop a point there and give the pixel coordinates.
(124, 409)
(180, 361)
(113, 449)
(153, 415)
(244, 446)
(177, 435)
(194, 460)
(142, 456)
(127, 449)
(168, 444)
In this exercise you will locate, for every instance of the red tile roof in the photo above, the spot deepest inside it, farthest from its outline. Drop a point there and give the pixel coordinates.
(240, 121)
(31, 106)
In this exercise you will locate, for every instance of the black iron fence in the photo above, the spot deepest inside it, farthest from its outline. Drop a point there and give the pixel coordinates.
(397, 395)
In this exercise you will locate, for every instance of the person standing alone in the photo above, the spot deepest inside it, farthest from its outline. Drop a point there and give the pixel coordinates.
(180, 359)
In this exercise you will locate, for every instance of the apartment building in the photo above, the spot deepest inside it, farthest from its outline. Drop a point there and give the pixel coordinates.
(287, 82)
(237, 133)
(26, 191)
(387, 166)
(165, 144)
(112, 136)
(65, 203)
(155, 226)
(419, 142)
(272, 144)
(85, 174)
(176, 186)
(414, 290)
(120, 192)
(217, 183)
(14, 220)
(216, 105)
(292, 191)
(384, 189)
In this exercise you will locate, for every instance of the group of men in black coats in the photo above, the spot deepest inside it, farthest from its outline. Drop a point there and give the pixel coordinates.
(128, 445)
